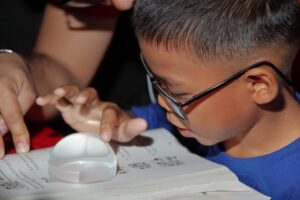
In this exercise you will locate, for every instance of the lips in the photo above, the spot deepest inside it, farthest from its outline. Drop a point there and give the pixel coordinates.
(185, 132)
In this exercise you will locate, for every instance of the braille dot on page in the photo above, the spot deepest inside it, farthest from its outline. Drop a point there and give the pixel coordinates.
(82, 158)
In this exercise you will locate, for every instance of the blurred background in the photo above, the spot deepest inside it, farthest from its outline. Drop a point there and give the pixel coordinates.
(120, 78)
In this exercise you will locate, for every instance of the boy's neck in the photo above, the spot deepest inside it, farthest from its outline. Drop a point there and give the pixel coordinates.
(273, 131)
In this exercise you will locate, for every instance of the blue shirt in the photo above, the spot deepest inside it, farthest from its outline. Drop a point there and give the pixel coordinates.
(154, 115)
(276, 175)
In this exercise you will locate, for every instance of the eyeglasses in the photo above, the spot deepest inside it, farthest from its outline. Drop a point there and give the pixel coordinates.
(79, 3)
(177, 107)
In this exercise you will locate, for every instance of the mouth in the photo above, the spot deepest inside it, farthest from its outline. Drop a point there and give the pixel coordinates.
(185, 132)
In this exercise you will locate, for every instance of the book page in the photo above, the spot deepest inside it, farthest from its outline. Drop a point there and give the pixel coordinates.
(153, 166)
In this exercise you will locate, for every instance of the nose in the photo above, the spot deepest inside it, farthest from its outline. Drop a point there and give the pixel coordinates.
(163, 104)
(171, 116)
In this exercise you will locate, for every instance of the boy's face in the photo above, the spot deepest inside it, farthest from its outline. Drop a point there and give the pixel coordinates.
(224, 114)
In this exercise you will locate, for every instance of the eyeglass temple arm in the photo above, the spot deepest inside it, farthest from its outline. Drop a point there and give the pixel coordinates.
(238, 74)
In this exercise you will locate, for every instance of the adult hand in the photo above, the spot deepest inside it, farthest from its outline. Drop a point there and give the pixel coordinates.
(16, 97)
(85, 112)
(122, 4)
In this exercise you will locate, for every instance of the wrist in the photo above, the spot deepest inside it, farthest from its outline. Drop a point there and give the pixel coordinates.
(11, 59)
(6, 51)
(8, 56)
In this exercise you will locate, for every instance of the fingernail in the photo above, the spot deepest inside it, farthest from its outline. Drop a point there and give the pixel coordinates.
(39, 100)
(3, 128)
(21, 147)
(80, 99)
(105, 136)
(142, 123)
(59, 91)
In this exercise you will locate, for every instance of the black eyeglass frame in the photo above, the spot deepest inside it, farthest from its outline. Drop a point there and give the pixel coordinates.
(171, 101)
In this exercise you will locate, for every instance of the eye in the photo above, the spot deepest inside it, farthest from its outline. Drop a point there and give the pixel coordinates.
(167, 88)
(181, 97)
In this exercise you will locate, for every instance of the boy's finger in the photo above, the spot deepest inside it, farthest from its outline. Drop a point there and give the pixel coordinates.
(130, 129)
(60, 92)
(44, 100)
(135, 126)
(68, 91)
(63, 105)
(40, 101)
(109, 122)
(60, 103)
(86, 96)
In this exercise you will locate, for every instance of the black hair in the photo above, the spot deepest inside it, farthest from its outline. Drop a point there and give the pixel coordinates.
(217, 28)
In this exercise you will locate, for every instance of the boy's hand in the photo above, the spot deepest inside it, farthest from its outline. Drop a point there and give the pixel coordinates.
(85, 112)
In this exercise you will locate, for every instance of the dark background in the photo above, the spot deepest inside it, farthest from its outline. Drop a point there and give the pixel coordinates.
(120, 78)
(19, 22)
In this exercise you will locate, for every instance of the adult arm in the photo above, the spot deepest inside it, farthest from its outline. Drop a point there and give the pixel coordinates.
(68, 50)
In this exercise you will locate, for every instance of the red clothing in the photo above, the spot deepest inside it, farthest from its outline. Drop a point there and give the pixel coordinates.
(97, 10)
(41, 137)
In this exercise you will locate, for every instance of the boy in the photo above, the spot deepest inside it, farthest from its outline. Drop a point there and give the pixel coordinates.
(220, 69)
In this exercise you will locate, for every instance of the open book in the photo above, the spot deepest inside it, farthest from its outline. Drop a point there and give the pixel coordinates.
(153, 166)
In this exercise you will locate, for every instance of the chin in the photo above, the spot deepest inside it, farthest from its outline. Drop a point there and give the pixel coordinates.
(189, 134)
(205, 142)
(185, 132)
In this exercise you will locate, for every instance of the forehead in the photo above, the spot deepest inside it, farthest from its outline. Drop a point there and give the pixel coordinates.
(181, 69)
(158, 56)
(159, 59)
(159, 53)
(278, 54)
(235, 61)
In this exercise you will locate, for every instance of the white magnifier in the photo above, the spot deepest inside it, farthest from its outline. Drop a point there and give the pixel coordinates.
(82, 158)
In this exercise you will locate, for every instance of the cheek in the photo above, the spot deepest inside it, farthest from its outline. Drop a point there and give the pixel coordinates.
(220, 117)
(162, 103)
(171, 116)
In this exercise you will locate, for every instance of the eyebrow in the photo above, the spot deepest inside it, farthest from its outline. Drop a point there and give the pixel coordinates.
(173, 83)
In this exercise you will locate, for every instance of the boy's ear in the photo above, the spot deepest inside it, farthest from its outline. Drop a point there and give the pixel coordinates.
(263, 85)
